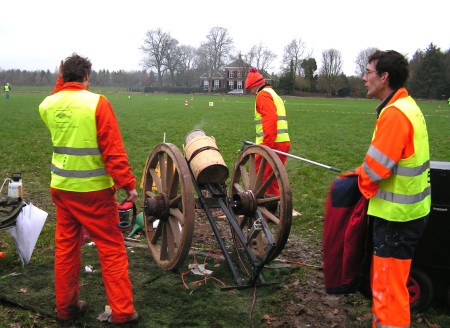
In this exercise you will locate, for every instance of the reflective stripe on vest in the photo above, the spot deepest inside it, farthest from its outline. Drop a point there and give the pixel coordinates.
(406, 194)
(282, 125)
(76, 151)
(77, 164)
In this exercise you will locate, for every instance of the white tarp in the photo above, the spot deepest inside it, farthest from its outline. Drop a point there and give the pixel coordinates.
(28, 227)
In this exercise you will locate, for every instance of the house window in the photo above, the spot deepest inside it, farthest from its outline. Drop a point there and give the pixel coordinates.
(216, 84)
(205, 84)
(239, 74)
(230, 74)
(231, 85)
(239, 84)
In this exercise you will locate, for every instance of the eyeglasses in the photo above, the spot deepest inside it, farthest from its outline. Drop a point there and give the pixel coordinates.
(368, 71)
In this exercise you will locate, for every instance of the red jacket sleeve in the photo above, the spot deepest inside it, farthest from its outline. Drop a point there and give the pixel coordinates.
(59, 85)
(265, 106)
(393, 138)
(112, 148)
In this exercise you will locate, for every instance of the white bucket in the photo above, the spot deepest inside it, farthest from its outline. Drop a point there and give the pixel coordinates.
(204, 158)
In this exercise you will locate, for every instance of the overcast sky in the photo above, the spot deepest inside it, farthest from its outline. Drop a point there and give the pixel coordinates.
(37, 34)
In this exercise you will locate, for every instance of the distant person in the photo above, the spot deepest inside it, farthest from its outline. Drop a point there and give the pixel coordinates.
(270, 119)
(7, 89)
(89, 163)
(395, 179)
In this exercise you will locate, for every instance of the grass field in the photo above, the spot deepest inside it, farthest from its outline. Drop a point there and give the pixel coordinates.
(334, 132)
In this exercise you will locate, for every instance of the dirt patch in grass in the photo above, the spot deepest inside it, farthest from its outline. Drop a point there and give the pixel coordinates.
(181, 299)
(302, 301)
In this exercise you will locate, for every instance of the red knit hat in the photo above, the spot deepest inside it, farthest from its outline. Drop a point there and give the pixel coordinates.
(254, 79)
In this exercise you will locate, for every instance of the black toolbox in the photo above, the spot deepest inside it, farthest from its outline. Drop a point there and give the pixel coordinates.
(432, 254)
(434, 246)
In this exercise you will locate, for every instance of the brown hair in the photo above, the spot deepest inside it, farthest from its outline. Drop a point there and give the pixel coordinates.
(394, 63)
(75, 68)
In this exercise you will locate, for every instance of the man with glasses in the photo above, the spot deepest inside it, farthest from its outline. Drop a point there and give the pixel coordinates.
(395, 179)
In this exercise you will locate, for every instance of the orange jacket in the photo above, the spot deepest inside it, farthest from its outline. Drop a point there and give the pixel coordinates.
(109, 139)
(394, 138)
(265, 106)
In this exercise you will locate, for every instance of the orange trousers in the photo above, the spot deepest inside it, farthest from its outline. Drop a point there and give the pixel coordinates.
(390, 295)
(393, 249)
(97, 212)
(273, 187)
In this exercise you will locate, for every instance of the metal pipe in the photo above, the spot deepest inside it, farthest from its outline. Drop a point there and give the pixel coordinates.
(299, 158)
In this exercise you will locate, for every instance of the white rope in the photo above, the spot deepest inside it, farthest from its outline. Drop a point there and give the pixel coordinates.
(4, 181)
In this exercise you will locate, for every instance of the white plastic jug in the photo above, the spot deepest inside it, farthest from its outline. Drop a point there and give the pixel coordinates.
(15, 186)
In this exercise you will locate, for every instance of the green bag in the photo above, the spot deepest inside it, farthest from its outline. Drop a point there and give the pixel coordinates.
(9, 210)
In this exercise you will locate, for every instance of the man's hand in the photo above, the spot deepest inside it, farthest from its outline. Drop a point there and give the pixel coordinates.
(132, 196)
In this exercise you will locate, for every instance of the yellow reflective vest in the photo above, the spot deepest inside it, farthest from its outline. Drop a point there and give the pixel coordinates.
(282, 125)
(77, 164)
(406, 194)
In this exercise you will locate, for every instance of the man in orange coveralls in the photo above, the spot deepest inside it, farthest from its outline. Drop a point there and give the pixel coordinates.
(270, 119)
(395, 179)
(89, 163)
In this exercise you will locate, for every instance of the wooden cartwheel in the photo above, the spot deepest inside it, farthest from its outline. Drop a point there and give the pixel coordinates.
(260, 223)
(275, 211)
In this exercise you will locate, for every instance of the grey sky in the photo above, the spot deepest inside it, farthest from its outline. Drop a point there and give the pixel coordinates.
(35, 35)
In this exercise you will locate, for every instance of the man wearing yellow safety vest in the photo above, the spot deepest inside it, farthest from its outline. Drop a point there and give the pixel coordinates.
(395, 179)
(89, 163)
(270, 119)
(7, 89)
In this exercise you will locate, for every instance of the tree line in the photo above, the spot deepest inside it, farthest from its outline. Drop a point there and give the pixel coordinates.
(169, 66)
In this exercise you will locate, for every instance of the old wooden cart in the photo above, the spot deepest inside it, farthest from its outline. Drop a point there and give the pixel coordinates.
(174, 186)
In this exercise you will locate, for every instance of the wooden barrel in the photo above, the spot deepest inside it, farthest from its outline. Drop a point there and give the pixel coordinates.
(204, 158)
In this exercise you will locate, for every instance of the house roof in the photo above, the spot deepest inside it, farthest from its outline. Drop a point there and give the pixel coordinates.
(212, 75)
(266, 75)
(238, 63)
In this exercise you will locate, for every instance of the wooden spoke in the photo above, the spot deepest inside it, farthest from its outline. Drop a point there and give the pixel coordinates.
(156, 178)
(168, 181)
(275, 210)
(178, 215)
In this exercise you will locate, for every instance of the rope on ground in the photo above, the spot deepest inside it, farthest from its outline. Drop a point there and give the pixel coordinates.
(252, 306)
(299, 263)
(201, 269)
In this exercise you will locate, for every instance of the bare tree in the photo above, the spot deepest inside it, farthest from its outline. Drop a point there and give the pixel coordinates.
(331, 67)
(260, 57)
(187, 58)
(362, 60)
(213, 53)
(216, 50)
(156, 47)
(294, 53)
(186, 72)
(172, 58)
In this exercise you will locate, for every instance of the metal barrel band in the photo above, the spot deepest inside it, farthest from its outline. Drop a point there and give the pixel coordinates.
(199, 150)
